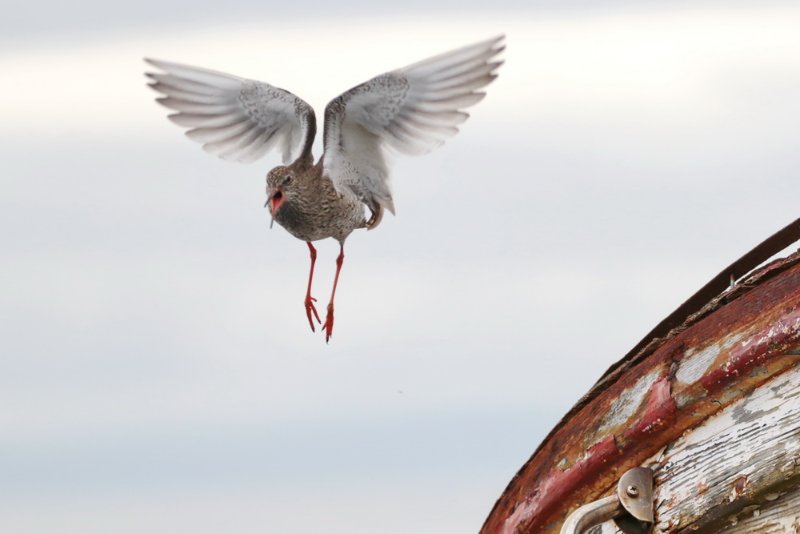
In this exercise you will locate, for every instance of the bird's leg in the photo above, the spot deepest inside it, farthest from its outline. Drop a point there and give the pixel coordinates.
(309, 299)
(328, 327)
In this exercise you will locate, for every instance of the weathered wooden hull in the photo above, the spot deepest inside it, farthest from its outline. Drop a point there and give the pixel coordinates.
(713, 407)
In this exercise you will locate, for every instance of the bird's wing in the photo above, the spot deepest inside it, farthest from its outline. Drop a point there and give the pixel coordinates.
(234, 118)
(411, 110)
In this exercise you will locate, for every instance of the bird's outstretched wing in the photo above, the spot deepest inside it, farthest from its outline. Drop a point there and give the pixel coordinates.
(411, 110)
(234, 118)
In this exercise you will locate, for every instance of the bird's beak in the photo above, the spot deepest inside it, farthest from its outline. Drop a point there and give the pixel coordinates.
(266, 204)
(270, 194)
(274, 202)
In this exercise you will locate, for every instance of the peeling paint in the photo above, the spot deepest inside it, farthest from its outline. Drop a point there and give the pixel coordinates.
(659, 411)
(740, 460)
(696, 362)
(628, 402)
(784, 332)
(776, 517)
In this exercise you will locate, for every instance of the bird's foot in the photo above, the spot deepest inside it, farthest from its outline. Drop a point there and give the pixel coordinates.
(311, 309)
(328, 327)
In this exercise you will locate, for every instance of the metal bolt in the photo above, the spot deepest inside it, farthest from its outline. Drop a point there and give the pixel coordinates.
(632, 491)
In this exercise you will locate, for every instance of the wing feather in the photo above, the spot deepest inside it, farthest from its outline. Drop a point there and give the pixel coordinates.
(196, 120)
(411, 110)
(464, 83)
(234, 118)
(183, 84)
(239, 144)
(212, 134)
(263, 144)
(216, 108)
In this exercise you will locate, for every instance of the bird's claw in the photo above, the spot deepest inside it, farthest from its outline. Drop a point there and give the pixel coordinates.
(328, 327)
(311, 309)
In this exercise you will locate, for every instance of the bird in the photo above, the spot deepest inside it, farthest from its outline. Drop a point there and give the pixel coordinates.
(410, 111)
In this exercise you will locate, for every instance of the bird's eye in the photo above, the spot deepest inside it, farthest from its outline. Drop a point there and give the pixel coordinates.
(288, 179)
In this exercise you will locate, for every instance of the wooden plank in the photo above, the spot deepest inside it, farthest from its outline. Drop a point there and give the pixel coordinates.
(779, 516)
(736, 460)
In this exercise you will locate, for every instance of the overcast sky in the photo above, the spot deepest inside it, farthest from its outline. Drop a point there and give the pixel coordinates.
(157, 373)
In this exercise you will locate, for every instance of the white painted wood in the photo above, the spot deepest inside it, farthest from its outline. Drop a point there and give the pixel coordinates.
(732, 459)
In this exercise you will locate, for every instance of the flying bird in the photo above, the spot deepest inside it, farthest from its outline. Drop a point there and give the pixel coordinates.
(411, 110)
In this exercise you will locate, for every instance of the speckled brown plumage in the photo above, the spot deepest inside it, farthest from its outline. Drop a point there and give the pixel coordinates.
(310, 208)
(409, 111)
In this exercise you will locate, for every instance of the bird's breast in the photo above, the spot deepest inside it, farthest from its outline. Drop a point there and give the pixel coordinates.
(326, 217)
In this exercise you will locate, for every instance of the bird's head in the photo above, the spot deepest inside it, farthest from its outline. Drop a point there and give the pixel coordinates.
(280, 187)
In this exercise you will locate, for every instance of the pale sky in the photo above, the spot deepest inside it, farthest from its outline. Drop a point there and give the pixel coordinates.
(157, 373)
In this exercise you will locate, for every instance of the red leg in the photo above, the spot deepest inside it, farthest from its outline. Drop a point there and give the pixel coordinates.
(329, 318)
(309, 299)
